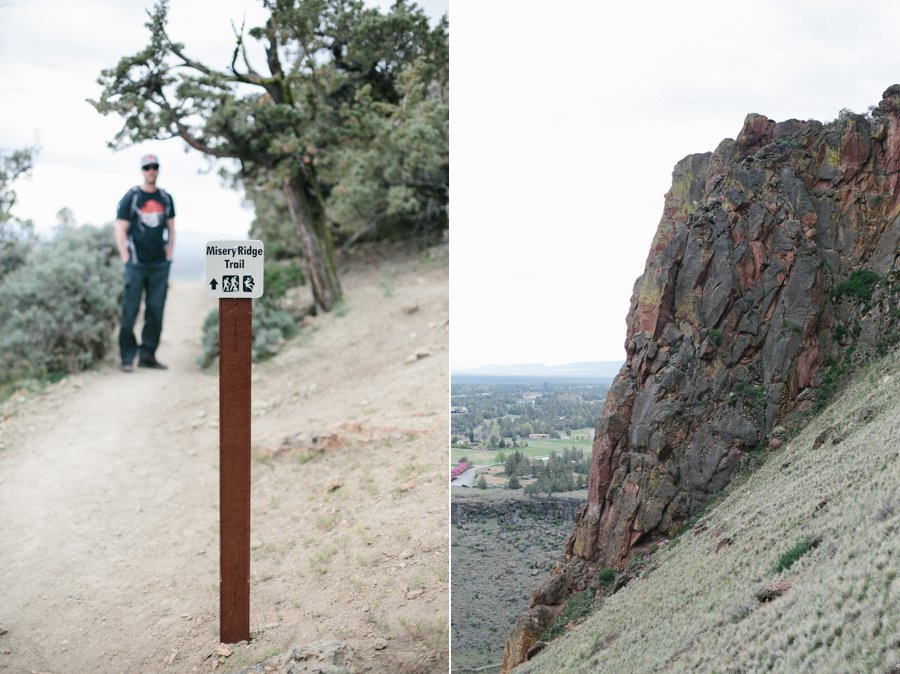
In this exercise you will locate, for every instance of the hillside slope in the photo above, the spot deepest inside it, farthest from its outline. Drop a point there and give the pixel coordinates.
(109, 546)
(774, 270)
(700, 604)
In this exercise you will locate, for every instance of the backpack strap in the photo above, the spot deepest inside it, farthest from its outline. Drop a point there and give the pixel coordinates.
(134, 192)
(167, 200)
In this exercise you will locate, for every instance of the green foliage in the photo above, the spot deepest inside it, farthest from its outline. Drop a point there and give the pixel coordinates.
(59, 308)
(393, 175)
(513, 483)
(793, 327)
(516, 464)
(754, 395)
(17, 237)
(606, 577)
(511, 413)
(577, 607)
(279, 276)
(13, 166)
(560, 472)
(481, 482)
(715, 335)
(837, 371)
(859, 284)
(210, 339)
(270, 328)
(788, 559)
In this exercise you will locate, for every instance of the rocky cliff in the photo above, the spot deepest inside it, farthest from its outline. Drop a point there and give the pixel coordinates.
(773, 270)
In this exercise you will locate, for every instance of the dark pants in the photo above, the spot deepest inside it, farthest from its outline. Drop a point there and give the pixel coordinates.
(140, 277)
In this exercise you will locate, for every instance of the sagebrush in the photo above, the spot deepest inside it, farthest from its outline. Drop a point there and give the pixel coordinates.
(58, 310)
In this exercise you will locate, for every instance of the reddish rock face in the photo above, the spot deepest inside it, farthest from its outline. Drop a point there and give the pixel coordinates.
(735, 320)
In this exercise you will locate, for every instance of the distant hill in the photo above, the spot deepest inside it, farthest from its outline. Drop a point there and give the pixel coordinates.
(600, 370)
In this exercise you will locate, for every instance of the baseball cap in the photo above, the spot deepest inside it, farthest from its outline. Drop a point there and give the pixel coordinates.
(149, 159)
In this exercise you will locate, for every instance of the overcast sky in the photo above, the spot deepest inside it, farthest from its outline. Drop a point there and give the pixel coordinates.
(51, 54)
(566, 121)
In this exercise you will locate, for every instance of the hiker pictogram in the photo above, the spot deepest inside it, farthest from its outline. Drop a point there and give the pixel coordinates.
(248, 284)
(230, 284)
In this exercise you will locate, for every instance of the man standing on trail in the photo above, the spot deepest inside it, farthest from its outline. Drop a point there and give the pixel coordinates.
(145, 237)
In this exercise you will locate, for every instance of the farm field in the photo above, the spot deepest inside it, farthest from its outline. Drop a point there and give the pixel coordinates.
(537, 448)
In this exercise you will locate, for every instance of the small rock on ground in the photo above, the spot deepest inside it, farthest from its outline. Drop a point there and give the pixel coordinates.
(332, 657)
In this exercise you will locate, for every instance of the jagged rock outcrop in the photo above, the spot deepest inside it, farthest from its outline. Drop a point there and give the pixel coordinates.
(774, 266)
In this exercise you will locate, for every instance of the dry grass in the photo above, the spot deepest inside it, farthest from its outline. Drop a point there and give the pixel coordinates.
(838, 481)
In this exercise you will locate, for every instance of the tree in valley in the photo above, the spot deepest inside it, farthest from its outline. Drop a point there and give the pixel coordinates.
(343, 129)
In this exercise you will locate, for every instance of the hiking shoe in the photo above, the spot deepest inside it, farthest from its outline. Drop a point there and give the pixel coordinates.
(126, 367)
(151, 363)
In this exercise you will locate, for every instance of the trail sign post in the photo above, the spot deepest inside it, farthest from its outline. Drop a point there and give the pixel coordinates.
(234, 274)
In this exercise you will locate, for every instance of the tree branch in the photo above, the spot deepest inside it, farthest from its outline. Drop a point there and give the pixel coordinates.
(241, 48)
(185, 134)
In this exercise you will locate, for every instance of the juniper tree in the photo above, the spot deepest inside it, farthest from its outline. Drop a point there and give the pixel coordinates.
(347, 115)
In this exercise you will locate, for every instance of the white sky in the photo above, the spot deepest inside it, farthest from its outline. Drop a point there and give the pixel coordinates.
(567, 119)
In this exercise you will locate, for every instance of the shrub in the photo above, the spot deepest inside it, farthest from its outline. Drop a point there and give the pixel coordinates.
(17, 240)
(606, 577)
(787, 560)
(837, 370)
(279, 276)
(754, 394)
(532, 489)
(513, 483)
(210, 339)
(271, 327)
(59, 309)
(859, 284)
(577, 607)
(481, 482)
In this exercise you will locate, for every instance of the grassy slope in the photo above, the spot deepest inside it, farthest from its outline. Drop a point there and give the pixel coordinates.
(696, 610)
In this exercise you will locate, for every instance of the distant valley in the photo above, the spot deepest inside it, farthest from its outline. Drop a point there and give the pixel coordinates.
(598, 371)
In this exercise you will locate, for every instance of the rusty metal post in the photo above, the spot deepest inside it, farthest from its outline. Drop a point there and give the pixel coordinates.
(235, 340)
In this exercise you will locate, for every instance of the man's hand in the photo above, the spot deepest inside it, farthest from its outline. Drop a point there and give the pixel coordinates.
(120, 231)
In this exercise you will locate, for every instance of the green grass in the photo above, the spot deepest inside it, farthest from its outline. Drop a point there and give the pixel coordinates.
(787, 560)
(540, 447)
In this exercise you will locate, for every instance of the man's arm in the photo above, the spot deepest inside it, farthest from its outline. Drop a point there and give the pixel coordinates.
(121, 234)
(170, 247)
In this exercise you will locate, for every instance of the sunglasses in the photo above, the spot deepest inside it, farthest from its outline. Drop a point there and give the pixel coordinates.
(151, 167)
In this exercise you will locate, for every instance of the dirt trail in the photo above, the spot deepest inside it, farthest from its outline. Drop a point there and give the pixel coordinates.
(109, 495)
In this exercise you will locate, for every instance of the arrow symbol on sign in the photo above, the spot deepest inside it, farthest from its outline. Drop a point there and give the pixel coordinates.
(213, 284)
